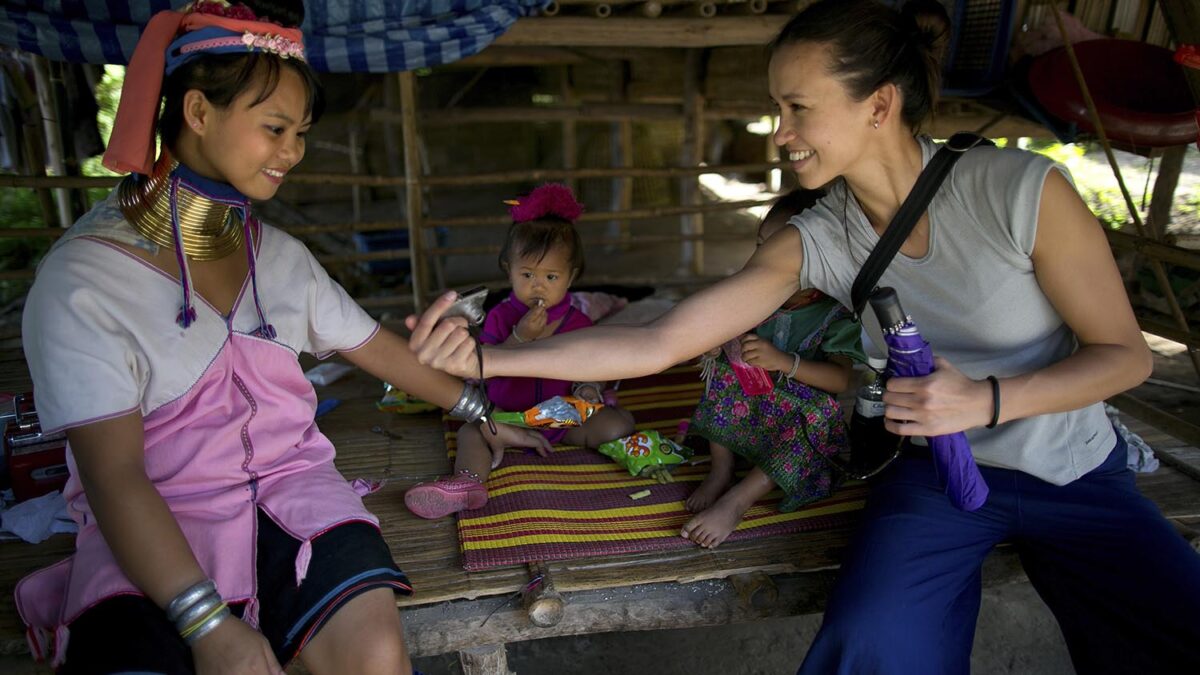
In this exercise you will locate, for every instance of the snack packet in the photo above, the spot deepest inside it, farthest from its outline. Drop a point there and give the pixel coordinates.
(396, 401)
(559, 412)
(754, 380)
(646, 454)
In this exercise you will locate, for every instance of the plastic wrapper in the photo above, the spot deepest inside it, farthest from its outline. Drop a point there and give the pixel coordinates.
(396, 401)
(646, 454)
(559, 412)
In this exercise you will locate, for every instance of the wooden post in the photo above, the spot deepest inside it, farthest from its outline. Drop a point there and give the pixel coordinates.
(621, 143)
(544, 603)
(412, 192)
(692, 253)
(570, 141)
(489, 660)
(355, 190)
(1163, 197)
(53, 133)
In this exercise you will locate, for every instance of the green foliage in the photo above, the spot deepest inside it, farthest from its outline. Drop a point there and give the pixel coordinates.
(20, 208)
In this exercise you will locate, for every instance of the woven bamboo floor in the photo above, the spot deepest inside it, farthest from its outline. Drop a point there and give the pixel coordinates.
(429, 550)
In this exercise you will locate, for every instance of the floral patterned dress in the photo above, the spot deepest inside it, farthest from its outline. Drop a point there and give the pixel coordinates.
(789, 431)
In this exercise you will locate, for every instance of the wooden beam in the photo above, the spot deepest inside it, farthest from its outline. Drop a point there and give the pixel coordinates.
(593, 216)
(501, 57)
(1169, 169)
(1164, 421)
(569, 31)
(580, 112)
(458, 625)
(412, 196)
(1175, 255)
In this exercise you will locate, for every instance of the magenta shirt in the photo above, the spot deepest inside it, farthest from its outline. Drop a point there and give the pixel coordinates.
(522, 393)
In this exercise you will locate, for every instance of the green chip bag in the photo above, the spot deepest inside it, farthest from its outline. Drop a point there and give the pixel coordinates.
(646, 453)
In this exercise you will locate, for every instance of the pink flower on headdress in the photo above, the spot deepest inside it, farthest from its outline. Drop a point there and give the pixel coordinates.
(551, 199)
(224, 9)
(276, 44)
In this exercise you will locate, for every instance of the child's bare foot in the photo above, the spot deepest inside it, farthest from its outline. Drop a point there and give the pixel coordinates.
(711, 488)
(720, 473)
(711, 526)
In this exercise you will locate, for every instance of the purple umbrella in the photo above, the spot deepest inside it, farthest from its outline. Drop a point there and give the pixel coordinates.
(909, 355)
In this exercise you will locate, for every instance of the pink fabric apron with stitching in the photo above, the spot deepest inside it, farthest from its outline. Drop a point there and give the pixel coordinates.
(242, 437)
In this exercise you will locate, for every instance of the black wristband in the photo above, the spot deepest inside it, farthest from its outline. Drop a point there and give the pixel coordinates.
(995, 401)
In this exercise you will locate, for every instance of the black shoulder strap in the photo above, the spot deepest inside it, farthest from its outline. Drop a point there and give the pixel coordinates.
(910, 212)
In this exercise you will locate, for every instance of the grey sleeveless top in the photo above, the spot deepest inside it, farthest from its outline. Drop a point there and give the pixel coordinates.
(973, 296)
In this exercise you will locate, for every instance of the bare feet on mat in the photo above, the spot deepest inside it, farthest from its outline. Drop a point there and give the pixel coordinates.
(709, 490)
(720, 473)
(711, 526)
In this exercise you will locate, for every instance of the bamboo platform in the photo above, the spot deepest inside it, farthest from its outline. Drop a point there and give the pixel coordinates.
(768, 577)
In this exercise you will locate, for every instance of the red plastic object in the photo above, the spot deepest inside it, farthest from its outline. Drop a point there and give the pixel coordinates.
(36, 462)
(1188, 55)
(754, 380)
(1139, 90)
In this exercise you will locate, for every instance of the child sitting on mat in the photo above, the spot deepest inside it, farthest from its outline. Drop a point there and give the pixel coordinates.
(542, 256)
(786, 433)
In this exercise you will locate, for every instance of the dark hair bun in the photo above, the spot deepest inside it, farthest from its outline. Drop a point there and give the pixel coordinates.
(287, 13)
(931, 26)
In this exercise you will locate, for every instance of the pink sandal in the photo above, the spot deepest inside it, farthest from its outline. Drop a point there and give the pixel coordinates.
(446, 495)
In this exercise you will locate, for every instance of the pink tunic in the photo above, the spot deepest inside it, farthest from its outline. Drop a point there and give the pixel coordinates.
(228, 416)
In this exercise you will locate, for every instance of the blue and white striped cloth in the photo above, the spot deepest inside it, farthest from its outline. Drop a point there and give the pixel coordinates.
(340, 35)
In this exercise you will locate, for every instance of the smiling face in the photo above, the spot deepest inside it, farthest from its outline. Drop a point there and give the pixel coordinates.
(822, 132)
(547, 280)
(251, 147)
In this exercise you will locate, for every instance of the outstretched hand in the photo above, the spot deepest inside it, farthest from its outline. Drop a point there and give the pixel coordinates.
(943, 402)
(444, 344)
(513, 437)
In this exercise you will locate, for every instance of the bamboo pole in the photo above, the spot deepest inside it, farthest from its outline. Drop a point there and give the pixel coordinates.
(53, 134)
(594, 216)
(412, 171)
(486, 249)
(491, 178)
(692, 153)
(1160, 274)
(344, 258)
(570, 140)
(749, 6)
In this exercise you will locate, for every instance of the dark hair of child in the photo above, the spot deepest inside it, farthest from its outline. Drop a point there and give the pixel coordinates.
(535, 238)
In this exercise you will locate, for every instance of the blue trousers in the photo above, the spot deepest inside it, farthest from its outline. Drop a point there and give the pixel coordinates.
(1123, 584)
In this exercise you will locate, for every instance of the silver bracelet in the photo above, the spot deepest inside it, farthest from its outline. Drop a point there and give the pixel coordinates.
(472, 404)
(795, 365)
(190, 596)
(580, 386)
(517, 336)
(208, 626)
(197, 611)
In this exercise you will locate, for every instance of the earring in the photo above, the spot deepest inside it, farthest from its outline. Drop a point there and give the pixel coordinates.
(876, 122)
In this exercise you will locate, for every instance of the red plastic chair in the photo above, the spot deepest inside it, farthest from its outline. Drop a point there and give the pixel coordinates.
(1139, 90)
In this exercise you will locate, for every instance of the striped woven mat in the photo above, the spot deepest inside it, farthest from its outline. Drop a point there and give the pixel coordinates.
(576, 502)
